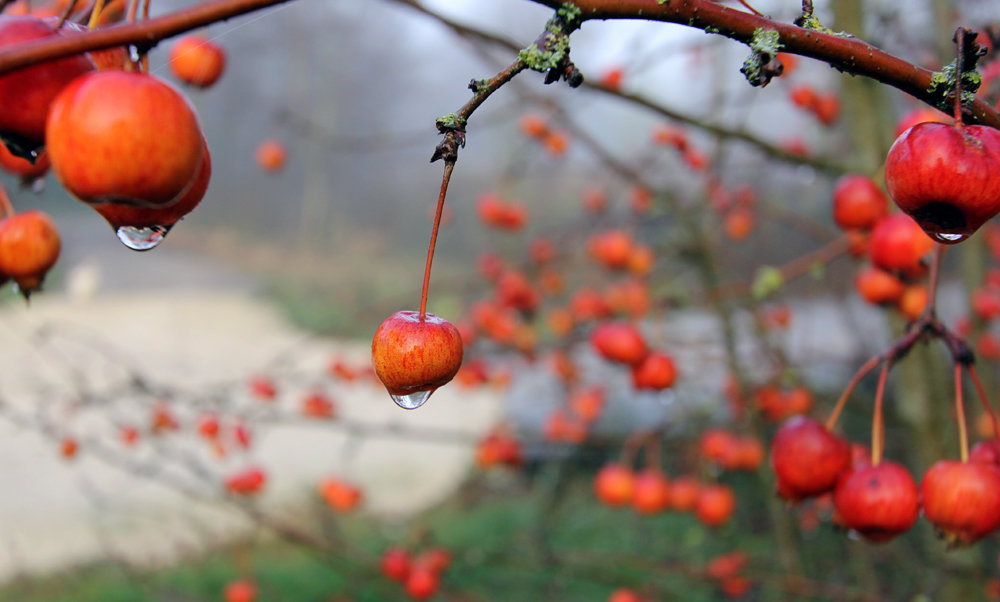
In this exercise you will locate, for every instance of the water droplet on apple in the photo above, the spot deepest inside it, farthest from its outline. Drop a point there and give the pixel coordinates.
(948, 238)
(413, 400)
(141, 239)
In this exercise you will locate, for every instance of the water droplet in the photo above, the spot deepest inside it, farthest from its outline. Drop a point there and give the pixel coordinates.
(948, 238)
(141, 239)
(413, 400)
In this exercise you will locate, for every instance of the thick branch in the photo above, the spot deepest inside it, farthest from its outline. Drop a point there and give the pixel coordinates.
(841, 51)
(144, 34)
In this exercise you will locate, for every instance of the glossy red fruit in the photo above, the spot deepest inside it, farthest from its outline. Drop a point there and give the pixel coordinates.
(248, 481)
(652, 492)
(807, 458)
(615, 484)
(271, 155)
(986, 452)
(22, 167)
(26, 94)
(242, 590)
(611, 248)
(196, 60)
(878, 286)
(858, 202)
(879, 502)
(656, 372)
(898, 243)
(947, 177)
(124, 137)
(619, 342)
(962, 500)
(395, 564)
(29, 247)
(413, 356)
(684, 493)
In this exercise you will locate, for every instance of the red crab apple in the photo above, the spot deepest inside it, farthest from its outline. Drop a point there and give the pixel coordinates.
(615, 484)
(807, 458)
(29, 247)
(124, 137)
(26, 94)
(878, 501)
(962, 499)
(395, 564)
(619, 342)
(656, 371)
(143, 228)
(947, 177)
(241, 590)
(858, 202)
(413, 355)
(898, 243)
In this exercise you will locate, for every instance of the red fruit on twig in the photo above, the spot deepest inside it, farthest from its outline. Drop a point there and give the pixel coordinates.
(947, 177)
(413, 355)
(962, 500)
(807, 458)
(879, 502)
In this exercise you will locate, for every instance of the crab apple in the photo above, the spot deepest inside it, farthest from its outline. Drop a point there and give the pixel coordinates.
(920, 115)
(124, 137)
(29, 247)
(619, 342)
(247, 481)
(726, 565)
(858, 202)
(339, 495)
(271, 155)
(242, 590)
(878, 501)
(413, 355)
(947, 177)
(898, 243)
(615, 484)
(962, 499)
(196, 60)
(395, 564)
(878, 286)
(986, 452)
(656, 371)
(652, 492)
(27, 94)
(318, 405)
(611, 248)
(715, 505)
(624, 594)
(422, 582)
(807, 458)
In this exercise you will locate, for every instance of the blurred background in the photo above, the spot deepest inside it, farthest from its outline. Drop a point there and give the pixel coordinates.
(171, 421)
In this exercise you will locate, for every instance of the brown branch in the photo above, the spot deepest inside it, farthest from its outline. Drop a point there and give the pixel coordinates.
(840, 51)
(144, 34)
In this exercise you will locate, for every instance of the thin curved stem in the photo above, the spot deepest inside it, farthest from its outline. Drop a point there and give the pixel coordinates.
(878, 424)
(868, 366)
(963, 433)
(449, 166)
(984, 399)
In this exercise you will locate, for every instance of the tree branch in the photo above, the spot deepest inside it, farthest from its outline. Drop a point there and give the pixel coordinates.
(144, 34)
(839, 50)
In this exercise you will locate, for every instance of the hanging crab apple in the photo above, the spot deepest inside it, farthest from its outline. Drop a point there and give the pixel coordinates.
(241, 590)
(615, 484)
(656, 372)
(947, 177)
(651, 493)
(413, 355)
(339, 495)
(196, 60)
(29, 247)
(898, 243)
(124, 137)
(144, 228)
(395, 564)
(878, 501)
(807, 458)
(271, 155)
(26, 94)
(962, 500)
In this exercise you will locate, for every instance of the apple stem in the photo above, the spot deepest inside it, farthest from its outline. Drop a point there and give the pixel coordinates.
(963, 435)
(960, 45)
(449, 166)
(95, 14)
(5, 206)
(982, 397)
(66, 12)
(868, 366)
(878, 427)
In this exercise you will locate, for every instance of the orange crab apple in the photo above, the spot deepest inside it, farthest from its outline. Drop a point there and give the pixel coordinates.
(29, 247)
(27, 94)
(415, 354)
(197, 60)
(241, 590)
(271, 155)
(124, 137)
(619, 342)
